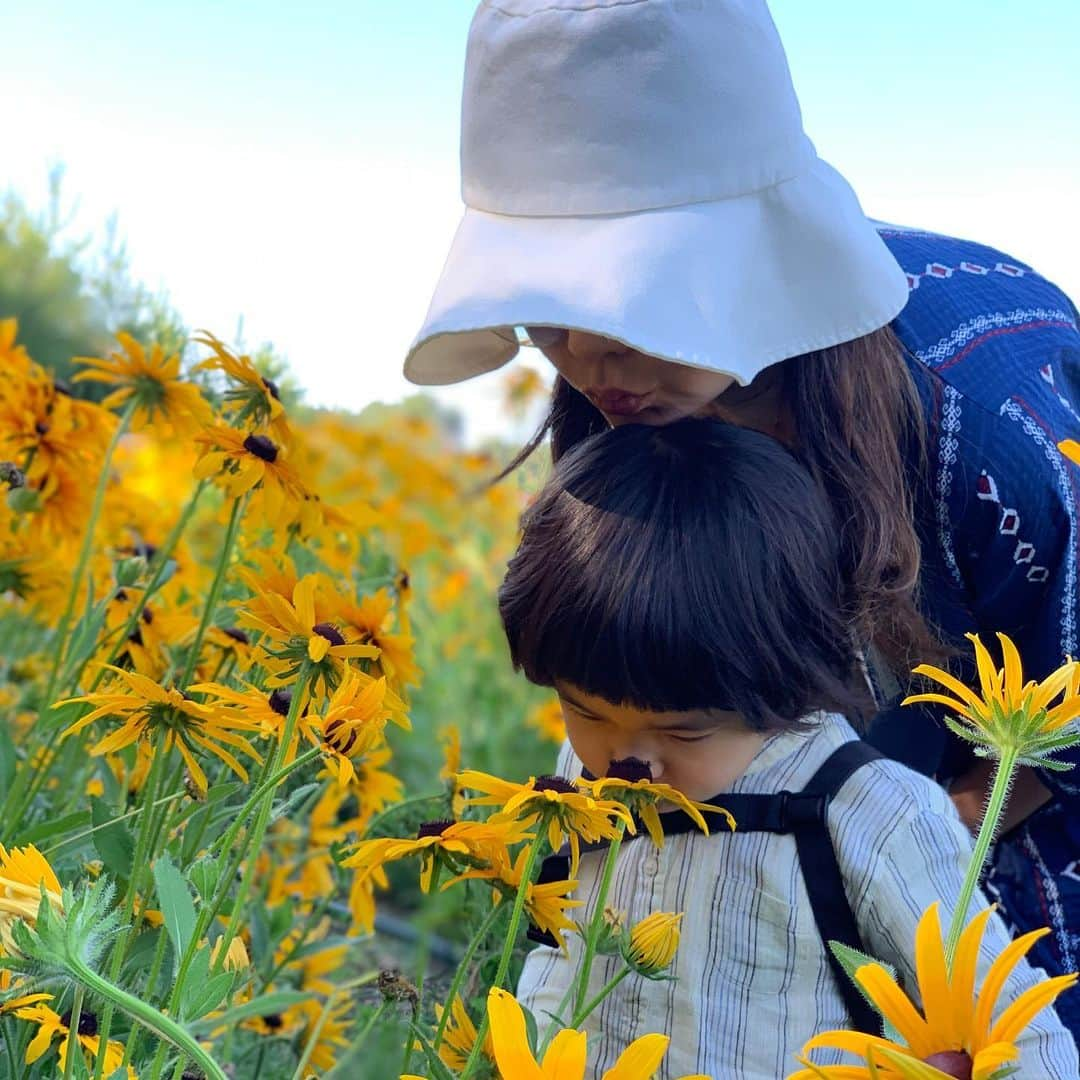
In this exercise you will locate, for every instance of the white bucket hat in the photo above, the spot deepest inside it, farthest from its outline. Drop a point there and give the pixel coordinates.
(638, 169)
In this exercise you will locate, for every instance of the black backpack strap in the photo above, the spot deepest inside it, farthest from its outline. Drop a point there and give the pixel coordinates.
(806, 815)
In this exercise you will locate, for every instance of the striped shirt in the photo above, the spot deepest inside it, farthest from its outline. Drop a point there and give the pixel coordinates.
(752, 979)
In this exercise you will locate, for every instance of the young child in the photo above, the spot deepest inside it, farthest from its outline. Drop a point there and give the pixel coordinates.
(678, 586)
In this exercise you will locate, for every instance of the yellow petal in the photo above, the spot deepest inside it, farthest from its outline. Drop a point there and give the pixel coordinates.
(893, 1003)
(509, 1038)
(996, 977)
(990, 1058)
(933, 980)
(317, 648)
(989, 676)
(565, 1057)
(640, 1060)
(965, 963)
(1024, 1009)
(1014, 672)
(950, 682)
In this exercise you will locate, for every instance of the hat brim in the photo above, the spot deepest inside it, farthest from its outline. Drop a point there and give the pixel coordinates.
(731, 286)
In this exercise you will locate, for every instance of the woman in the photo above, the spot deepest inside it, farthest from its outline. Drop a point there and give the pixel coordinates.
(642, 198)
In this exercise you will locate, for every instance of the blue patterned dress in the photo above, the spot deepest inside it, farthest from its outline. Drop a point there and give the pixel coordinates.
(995, 349)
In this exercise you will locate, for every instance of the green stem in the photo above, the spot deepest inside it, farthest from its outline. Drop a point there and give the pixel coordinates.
(586, 1009)
(999, 794)
(151, 981)
(161, 558)
(313, 1038)
(165, 1028)
(597, 921)
(75, 837)
(74, 1046)
(138, 862)
(215, 588)
(511, 940)
(459, 975)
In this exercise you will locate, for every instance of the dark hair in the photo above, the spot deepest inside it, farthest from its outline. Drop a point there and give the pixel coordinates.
(692, 566)
(858, 423)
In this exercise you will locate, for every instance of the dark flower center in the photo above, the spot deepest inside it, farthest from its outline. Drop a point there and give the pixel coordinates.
(343, 745)
(630, 769)
(135, 636)
(236, 634)
(121, 596)
(272, 387)
(41, 428)
(280, 700)
(432, 828)
(261, 447)
(952, 1063)
(147, 616)
(87, 1022)
(330, 632)
(273, 1021)
(554, 783)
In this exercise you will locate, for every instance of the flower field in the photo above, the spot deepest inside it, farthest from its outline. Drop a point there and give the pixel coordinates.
(272, 801)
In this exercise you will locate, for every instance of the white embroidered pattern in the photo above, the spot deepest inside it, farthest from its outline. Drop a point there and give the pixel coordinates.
(965, 332)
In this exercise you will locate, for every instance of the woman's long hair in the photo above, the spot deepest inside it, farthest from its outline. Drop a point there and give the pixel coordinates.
(859, 428)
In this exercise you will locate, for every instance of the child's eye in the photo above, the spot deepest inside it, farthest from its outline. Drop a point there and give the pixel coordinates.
(694, 738)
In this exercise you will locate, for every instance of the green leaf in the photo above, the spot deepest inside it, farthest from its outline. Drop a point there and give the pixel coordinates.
(201, 998)
(438, 1071)
(281, 921)
(112, 839)
(47, 829)
(267, 1004)
(204, 875)
(176, 905)
(8, 758)
(295, 798)
(851, 960)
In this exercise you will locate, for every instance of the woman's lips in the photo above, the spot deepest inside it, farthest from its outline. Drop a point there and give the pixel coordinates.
(618, 402)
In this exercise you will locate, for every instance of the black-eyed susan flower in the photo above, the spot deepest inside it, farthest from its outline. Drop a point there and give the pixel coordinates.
(955, 1022)
(653, 942)
(630, 782)
(51, 1025)
(301, 631)
(153, 382)
(455, 842)
(371, 620)
(147, 709)
(546, 902)
(24, 872)
(251, 397)
(565, 1057)
(566, 811)
(240, 462)
(1009, 714)
(353, 723)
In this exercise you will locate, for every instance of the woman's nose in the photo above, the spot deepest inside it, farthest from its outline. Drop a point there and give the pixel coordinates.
(593, 351)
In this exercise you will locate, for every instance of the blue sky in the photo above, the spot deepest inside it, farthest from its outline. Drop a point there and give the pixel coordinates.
(297, 164)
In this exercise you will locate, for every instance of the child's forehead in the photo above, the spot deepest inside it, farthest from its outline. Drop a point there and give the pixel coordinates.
(632, 716)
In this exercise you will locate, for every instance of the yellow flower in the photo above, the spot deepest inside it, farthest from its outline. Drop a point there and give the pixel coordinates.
(23, 873)
(236, 959)
(483, 840)
(302, 631)
(1009, 714)
(145, 708)
(154, 382)
(654, 941)
(631, 781)
(546, 903)
(567, 811)
(954, 1019)
(459, 1035)
(242, 461)
(547, 719)
(565, 1057)
(370, 619)
(251, 397)
(51, 1025)
(353, 724)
